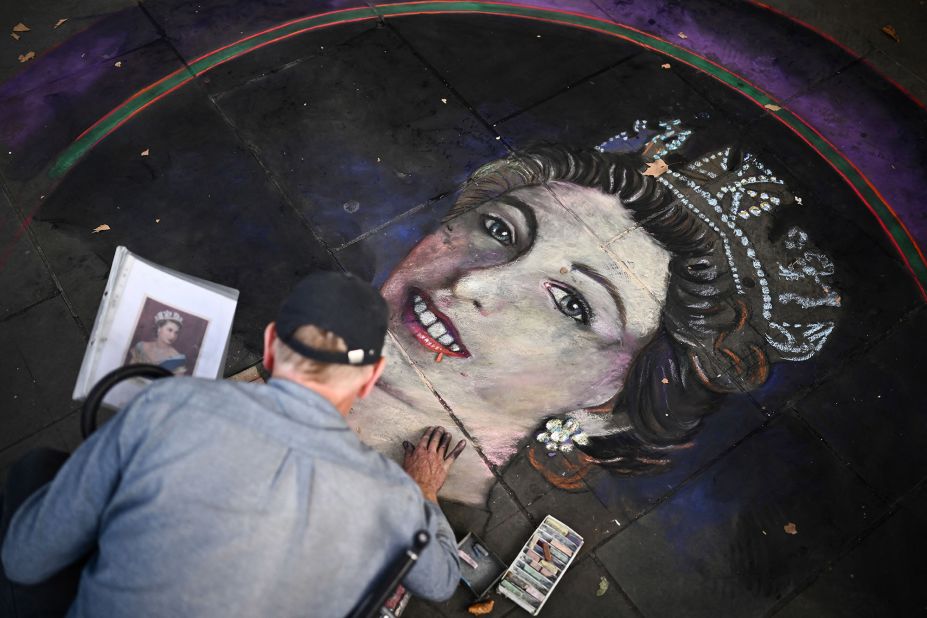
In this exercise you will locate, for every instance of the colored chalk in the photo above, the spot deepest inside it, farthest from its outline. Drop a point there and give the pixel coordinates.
(519, 594)
(528, 587)
(556, 525)
(549, 565)
(467, 558)
(480, 551)
(534, 576)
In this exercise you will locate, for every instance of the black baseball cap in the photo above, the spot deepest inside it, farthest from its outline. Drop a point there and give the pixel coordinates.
(342, 304)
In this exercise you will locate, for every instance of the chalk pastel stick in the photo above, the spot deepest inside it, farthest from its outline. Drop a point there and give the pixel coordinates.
(468, 558)
(539, 580)
(564, 531)
(551, 534)
(556, 525)
(566, 550)
(524, 585)
(555, 541)
(547, 554)
(550, 566)
(536, 569)
(520, 594)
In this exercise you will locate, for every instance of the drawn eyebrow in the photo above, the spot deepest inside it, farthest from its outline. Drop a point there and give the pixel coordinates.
(526, 211)
(605, 283)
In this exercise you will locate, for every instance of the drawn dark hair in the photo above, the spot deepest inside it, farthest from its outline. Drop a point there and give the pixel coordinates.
(706, 345)
(160, 323)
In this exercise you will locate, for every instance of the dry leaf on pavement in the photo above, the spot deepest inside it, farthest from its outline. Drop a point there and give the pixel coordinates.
(101, 228)
(790, 528)
(665, 66)
(145, 152)
(484, 607)
(656, 168)
(60, 21)
(683, 35)
(27, 56)
(15, 36)
(772, 108)
(21, 27)
(889, 30)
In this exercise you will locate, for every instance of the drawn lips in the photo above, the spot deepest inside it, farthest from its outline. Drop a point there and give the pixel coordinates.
(433, 329)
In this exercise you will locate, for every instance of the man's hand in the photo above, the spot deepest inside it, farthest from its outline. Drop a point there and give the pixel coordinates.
(429, 462)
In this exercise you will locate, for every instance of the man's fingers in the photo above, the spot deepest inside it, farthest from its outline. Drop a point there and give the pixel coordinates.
(426, 435)
(453, 455)
(435, 439)
(445, 442)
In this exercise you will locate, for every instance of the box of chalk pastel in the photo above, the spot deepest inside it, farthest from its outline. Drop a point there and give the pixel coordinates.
(540, 565)
(480, 569)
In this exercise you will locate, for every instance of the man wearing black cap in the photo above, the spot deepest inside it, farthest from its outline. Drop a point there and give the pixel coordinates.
(217, 498)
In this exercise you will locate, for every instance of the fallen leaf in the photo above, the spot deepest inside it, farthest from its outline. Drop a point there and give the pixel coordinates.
(118, 64)
(145, 152)
(60, 21)
(683, 35)
(656, 168)
(603, 587)
(444, 101)
(157, 220)
(665, 380)
(665, 65)
(27, 56)
(101, 228)
(484, 607)
(890, 31)
(20, 27)
(772, 108)
(790, 528)
(15, 36)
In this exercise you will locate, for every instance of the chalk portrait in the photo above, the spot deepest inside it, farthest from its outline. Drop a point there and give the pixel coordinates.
(570, 299)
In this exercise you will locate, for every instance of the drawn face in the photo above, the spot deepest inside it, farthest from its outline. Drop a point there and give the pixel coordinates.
(167, 332)
(530, 314)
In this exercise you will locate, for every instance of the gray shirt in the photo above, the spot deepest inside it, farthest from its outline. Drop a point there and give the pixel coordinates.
(217, 498)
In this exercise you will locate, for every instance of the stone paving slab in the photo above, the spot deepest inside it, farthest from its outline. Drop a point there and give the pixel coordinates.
(871, 415)
(23, 274)
(374, 113)
(42, 349)
(722, 541)
(866, 582)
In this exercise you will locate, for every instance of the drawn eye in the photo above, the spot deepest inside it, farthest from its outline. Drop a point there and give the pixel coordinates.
(570, 303)
(499, 229)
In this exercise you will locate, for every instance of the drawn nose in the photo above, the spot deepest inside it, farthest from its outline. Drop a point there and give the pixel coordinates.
(481, 288)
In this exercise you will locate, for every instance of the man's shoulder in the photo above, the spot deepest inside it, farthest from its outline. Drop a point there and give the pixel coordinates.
(190, 386)
(184, 393)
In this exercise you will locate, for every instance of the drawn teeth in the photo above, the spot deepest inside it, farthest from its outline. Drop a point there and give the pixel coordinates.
(445, 339)
(427, 318)
(419, 307)
(454, 348)
(436, 330)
